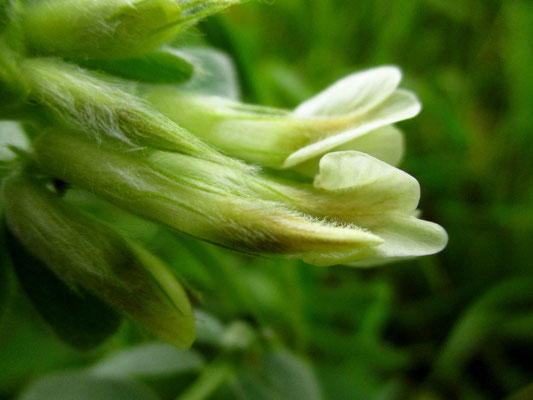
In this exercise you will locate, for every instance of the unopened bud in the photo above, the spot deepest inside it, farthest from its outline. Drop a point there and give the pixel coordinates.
(84, 253)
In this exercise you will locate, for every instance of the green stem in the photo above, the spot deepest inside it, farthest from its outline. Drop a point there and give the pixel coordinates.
(209, 381)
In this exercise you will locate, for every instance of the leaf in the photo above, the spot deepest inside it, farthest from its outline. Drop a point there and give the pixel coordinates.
(195, 10)
(77, 317)
(150, 360)
(4, 279)
(161, 66)
(82, 386)
(209, 330)
(100, 29)
(214, 72)
(279, 376)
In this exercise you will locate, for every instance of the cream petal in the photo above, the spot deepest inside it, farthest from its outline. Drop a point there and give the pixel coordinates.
(399, 106)
(355, 94)
(369, 183)
(385, 144)
(404, 237)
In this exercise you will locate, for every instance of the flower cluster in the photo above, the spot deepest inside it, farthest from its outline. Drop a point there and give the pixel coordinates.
(114, 109)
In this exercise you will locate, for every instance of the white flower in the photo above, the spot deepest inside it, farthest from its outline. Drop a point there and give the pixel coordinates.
(359, 210)
(356, 113)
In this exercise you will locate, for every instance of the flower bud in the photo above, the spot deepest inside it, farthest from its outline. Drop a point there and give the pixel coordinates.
(109, 28)
(86, 254)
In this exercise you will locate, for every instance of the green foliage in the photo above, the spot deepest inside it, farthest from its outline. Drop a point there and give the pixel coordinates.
(68, 386)
(162, 66)
(150, 360)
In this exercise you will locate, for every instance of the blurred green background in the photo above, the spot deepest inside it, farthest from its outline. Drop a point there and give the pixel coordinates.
(458, 325)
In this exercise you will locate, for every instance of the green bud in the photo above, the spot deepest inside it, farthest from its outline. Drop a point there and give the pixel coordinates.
(13, 89)
(76, 316)
(85, 254)
(359, 209)
(109, 28)
(355, 113)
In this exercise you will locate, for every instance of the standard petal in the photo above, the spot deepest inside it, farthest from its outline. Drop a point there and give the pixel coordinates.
(355, 94)
(399, 106)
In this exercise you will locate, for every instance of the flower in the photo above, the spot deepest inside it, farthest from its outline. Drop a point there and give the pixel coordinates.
(355, 113)
(359, 210)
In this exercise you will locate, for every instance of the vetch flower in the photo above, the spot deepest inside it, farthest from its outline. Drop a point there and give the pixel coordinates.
(356, 113)
(110, 107)
(359, 210)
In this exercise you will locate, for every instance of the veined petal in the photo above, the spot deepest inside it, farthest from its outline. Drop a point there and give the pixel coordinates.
(354, 95)
(399, 106)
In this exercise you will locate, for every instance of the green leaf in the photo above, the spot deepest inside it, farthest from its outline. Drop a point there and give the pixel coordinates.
(101, 29)
(209, 330)
(81, 386)
(77, 317)
(150, 360)
(161, 66)
(280, 376)
(214, 72)
(4, 279)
